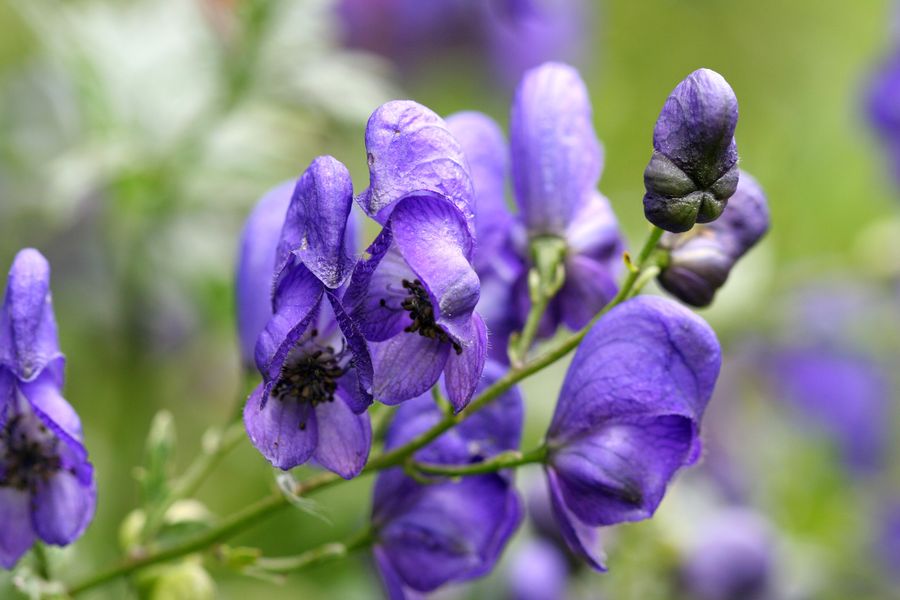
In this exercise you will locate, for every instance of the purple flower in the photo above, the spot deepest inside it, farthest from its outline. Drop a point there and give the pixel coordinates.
(414, 294)
(539, 571)
(693, 170)
(628, 416)
(843, 394)
(701, 259)
(883, 97)
(256, 267)
(732, 558)
(451, 530)
(316, 369)
(47, 488)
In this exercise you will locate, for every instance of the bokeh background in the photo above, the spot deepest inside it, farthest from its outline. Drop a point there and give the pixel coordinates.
(135, 136)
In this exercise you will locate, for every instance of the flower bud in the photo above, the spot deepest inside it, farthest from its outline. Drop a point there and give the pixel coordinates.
(693, 170)
(700, 260)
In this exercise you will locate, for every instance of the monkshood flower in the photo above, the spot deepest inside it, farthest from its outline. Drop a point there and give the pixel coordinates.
(428, 535)
(732, 558)
(882, 100)
(47, 489)
(701, 259)
(315, 365)
(539, 571)
(839, 392)
(693, 170)
(628, 417)
(415, 291)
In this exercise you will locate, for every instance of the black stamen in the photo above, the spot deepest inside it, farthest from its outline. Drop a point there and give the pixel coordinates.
(28, 459)
(418, 304)
(311, 377)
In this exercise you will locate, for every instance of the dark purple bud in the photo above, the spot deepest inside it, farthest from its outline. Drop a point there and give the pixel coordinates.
(701, 259)
(628, 416)
(47, 489)
(732, 557)
(693, 171)
(432, 534)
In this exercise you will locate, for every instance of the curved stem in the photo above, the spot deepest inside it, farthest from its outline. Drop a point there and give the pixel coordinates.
(392, 458)
(317, 556)
(504, 460)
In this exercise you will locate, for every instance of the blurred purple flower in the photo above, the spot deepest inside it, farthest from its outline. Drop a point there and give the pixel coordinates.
(539, 571)
(453, 530)
(515, 34)
(47, 488)
(732, 558)
(317, 374)
(415, 292)
(845, 395)
(693, 170)
(701, 259)
(883, 106)
(628, 417)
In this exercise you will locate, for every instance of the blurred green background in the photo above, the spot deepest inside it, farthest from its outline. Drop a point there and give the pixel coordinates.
(136, 136)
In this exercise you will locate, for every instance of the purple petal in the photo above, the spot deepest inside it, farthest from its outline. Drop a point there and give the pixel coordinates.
(393, 585)
(406, 366)
(588, 287)
(28, 339)
(256, 266)
(16, 535)
(316, 223)
(539, 572)
(463, 371)
(62, 508)
(594, 232)
(581, 538)
(488, 157)
(410, 149)
(286, 433)
(374, 294)
(359, 394)
(696, 127)
(344, 438)
(556, 157)
(432, 237)
(43, 394)
(296, 304)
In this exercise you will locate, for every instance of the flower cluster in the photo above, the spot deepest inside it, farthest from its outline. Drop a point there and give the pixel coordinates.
(47, 488)
(337, 328)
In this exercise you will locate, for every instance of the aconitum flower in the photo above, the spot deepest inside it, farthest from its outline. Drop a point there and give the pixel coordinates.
(883, 97)
(693, 171)
(428, 535)
(701, 259)
(414, 293)
(628, 416)
(47, 488)
(313, 359)
(256, 267)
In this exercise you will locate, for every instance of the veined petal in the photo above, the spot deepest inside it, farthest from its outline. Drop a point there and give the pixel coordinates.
(62, 508)
(359, 394)
(556, 157)
(411, 149)
(345, 438)
(316, 223)
(16, 535)
(582, 539)
(431, 236)
(406, 366)
(28, 338)
(285, 432)
(44, 395)
(588, 287)
(463, 371)
(256, 266)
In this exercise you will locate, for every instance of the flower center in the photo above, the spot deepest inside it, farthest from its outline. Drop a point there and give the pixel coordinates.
(28, 454)
(310, 373)
(418, 305)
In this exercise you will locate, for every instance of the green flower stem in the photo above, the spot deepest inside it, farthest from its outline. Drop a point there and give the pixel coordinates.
(392, 458)
(42, 562)
(504, 460)
(317, 556)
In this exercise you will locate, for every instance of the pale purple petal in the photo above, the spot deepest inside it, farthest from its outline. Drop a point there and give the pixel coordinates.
(256, 266)
(285, 432)
(359, 388)
(62, 507)
(44, 395)
(410, 149)
(582, 539)
(556, 157)
(588, 287)
(316, 222)
(16, 534)
(406, 366)
(345, 438)
(539, 571)
(463, 371)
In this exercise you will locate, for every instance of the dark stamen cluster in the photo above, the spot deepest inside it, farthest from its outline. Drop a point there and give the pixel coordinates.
(27, 460)
(310, 377)
(418, 304)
